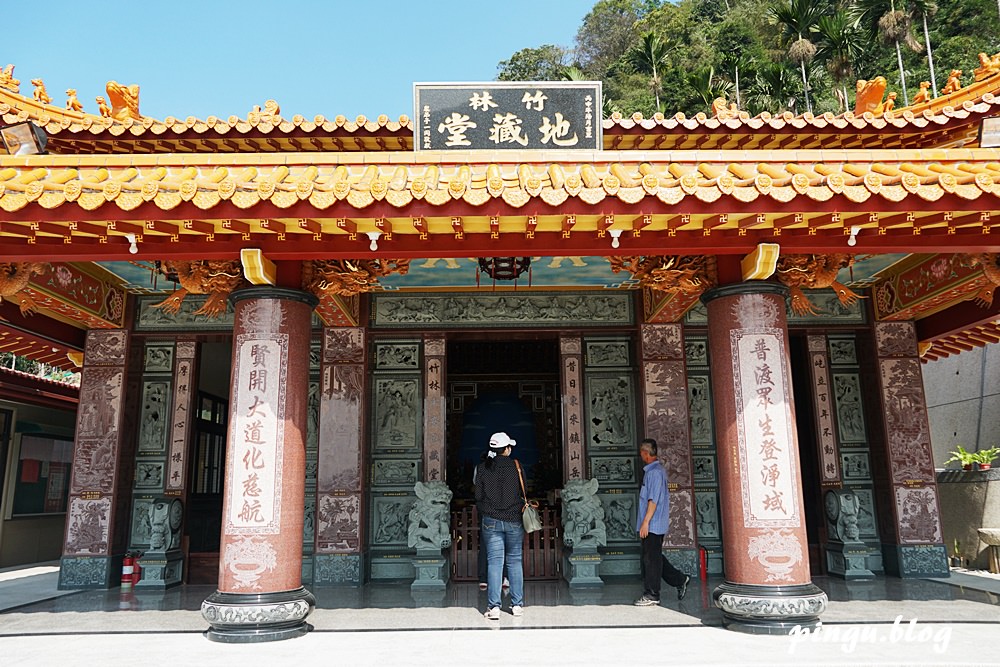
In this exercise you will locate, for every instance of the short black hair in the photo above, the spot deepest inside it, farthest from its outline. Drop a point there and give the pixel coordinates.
(649, 445)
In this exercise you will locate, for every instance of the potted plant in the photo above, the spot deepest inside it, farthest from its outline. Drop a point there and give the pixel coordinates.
(956, 554)
(983, 459)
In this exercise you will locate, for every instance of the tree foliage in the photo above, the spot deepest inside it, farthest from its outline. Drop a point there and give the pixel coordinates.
(764, 64)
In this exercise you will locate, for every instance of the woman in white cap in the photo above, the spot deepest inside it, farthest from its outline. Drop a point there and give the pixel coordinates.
(498, 497)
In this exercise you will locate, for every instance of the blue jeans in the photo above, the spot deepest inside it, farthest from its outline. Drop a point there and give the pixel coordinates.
(503, 540)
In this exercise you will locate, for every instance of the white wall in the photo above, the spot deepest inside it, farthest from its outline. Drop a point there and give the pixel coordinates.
(963, 401)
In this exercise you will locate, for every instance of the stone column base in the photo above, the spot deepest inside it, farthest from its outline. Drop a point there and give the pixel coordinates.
(848, 560)
(769, 610)
(161, 570)
(243, 618)
(431, 571)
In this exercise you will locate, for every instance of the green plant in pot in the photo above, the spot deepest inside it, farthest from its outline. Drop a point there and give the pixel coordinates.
(983, 458)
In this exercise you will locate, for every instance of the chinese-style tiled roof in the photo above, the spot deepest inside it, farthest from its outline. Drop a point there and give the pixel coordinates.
(27, 344)
(204, 197)
(948, 121)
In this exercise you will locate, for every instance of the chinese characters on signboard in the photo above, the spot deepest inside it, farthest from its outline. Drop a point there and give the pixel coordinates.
(255, 436)
(515, 115)
(765, 429)
(178, 434)
(824, 412)
(573, 416)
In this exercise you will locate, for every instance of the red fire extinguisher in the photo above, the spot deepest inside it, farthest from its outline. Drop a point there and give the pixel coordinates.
(128, 570)
(136, 568)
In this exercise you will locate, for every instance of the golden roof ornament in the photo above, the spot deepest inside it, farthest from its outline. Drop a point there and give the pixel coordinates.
(868, 95)
(800, 272)
(215, 277)
(102, 107)
(124, 100)
(954, 82)
(673, 274)
(721, 111)
(72, 103)
(990, 261)
(924, 94)
(7, 80)
(14, 277)
(39, 93)
(987, 67)
(345, 277)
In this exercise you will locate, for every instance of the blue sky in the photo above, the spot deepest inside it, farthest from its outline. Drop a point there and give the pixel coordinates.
(212, 58)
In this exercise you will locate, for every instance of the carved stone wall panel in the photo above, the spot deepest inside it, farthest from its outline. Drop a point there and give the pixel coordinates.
(337, 569)
(917, 512)
(185, 385)
(895, 339)
(341, 426)
(106, 347)
(608, 354)
(662, 341)
(707, 514)
(395, 472)
(397, 407)
(502, 310)
(619, 514)
(906, 422)
(610, 412)
(700, 409)
(159, 358)
(153, 416)
(84, 572)
(613, 470)
(343, 345)
(696, 351)
(397, 356)
(682, 521)
(666, 411)
(88, 526)
(338, 519)
(390, 512)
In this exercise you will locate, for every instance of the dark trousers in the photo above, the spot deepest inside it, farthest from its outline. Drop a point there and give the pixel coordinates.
(655, 567)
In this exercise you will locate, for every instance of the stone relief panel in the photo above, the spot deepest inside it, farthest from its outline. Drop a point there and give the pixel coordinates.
(397, 356)
(338, 569)
(667, 416)
(856, 466)
(343, 345)
(867, 527)
(338, 523)
(158, 359)
(700, 409)
(619, 516)
(153, 417)
(607, 353)
(106, 347)
(613, 470)
(142, 529)
(315, 356)
(662, 341)
(707, 514)
(248, 557)
(778, 551)
(501, 310)
(396, 407)
(704, 468)
(392, 472)
(906, 420)
(895, 339)
(843, 352)
(570, 346)
(389, 519)
(84, 572)
(681, 519)
(100, 402)
(340, 427)
(850, 414)
(696, 351)
(924, 560)
(309, 521)
(88, 529)
(157, 319)
(917, 514)
(149, 474)
(610, 421)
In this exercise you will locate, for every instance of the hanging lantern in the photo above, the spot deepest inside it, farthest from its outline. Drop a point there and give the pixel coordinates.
(504, 268)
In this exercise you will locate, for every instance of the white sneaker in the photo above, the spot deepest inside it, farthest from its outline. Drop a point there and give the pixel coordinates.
(517, 610)
(493, 614)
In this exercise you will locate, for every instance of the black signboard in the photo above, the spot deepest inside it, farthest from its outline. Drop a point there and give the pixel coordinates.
(523, 115)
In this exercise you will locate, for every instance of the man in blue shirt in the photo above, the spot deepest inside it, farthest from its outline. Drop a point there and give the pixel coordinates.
(652, 523)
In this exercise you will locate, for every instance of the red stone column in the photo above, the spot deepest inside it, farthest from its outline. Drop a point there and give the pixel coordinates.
(768, 588)
(260, 595)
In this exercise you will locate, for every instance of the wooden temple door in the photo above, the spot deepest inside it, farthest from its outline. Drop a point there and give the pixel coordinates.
(204, 513)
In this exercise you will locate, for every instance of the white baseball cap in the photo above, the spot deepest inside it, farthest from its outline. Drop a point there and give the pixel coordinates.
(501, 441)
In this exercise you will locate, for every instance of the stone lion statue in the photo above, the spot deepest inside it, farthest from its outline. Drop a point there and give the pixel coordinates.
(429, 526)
(583, 515)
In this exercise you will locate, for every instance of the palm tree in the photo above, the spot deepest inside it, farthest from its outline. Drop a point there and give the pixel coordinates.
(923, 9)
(736, 60)
(650, 58)
(708, 86)
(891, 25)
(773, 89)
(797, 20)
(840, 45)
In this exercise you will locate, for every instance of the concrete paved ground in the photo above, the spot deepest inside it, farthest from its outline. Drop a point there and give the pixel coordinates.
(885, 622)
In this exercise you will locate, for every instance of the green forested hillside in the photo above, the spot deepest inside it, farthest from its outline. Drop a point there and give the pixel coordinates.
(767, 55)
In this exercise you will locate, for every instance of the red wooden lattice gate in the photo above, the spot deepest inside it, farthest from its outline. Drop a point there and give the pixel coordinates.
(542, 549)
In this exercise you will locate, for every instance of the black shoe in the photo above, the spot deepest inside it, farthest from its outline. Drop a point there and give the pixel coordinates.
(682, 590)
(646, 601)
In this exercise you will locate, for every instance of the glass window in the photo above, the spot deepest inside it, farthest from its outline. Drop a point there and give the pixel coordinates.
(41, 484)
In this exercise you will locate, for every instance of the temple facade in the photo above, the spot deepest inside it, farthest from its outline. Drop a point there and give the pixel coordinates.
(296, 335)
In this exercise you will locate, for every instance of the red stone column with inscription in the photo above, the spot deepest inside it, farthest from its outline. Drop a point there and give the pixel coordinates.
(665, 401)
(97, 517)
(260, 595)
(904, 460)
(768, 588)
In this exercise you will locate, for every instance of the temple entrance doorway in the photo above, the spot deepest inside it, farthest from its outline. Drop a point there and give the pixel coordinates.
(510, 386)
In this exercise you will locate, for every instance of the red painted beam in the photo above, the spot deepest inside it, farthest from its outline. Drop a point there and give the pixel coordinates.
(957, 318)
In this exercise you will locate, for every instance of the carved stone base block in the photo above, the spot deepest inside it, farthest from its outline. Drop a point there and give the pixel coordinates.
(916, 561)
(98, 572)
(769, 610)
(243, 618)
(161, 570)
(581, 566)
(337, 570)
(431, 571)
(849, 561)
